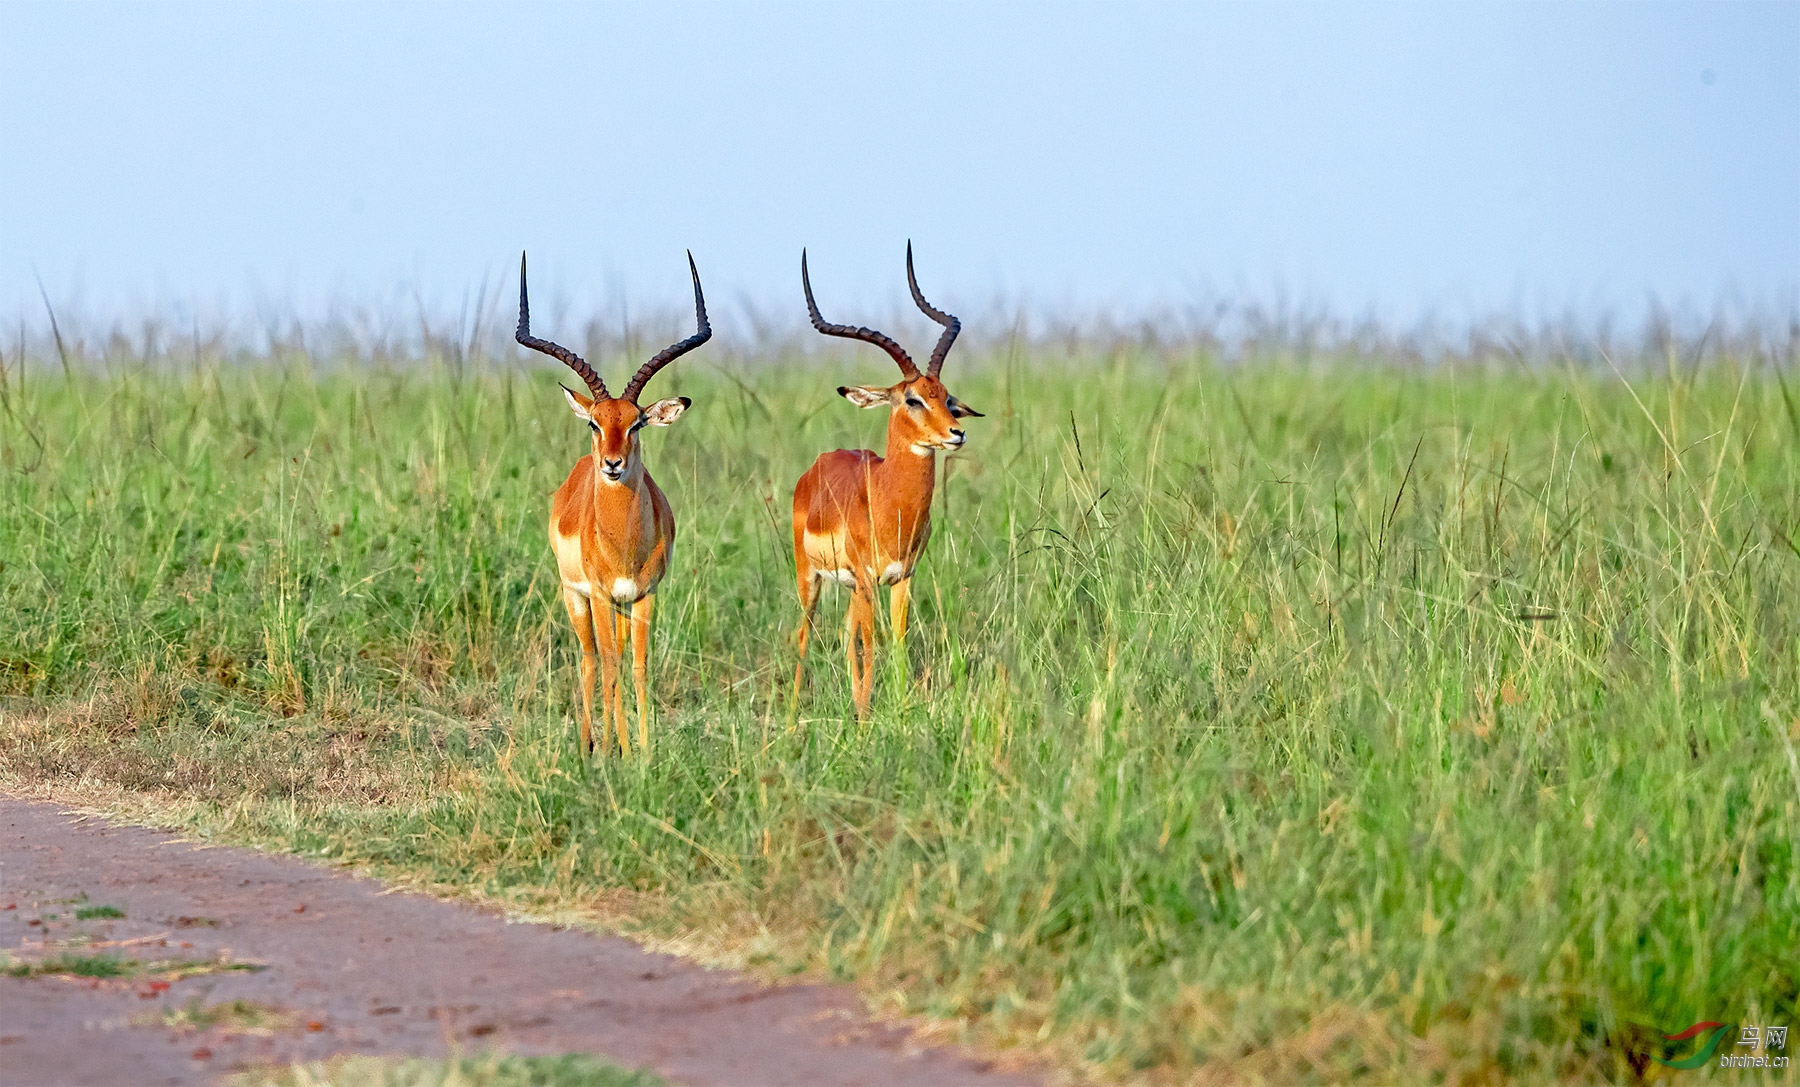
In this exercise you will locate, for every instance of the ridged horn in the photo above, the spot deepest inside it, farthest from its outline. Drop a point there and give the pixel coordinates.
(952, 326)
(854, 332)
(556, 351)
(703, 332)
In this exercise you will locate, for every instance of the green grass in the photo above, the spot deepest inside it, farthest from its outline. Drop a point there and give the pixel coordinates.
(81, 966)
(118, 966)
(91, 913)
(568, 1070)
(1284, 721)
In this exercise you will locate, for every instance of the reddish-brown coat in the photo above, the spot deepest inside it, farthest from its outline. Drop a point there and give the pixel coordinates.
(613, 531)
(864, 519)
(610, 526)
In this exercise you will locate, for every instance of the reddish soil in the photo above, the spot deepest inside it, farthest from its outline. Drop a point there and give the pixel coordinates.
(362, 969)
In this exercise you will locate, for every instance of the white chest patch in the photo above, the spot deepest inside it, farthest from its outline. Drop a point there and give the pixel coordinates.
(624, 590)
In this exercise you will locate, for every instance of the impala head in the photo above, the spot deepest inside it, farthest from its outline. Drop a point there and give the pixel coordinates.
(920, 406)
(616, 420)
(615, 423)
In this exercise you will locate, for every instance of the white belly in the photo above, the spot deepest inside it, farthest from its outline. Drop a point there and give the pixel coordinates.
(624, 590)
(830, 560)
(826, 553)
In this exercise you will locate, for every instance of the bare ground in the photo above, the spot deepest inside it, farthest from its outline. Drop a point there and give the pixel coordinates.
(348, 966)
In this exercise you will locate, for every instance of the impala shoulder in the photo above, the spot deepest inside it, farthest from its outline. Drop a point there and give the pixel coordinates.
(573, 502)
(662, 514)
(578, 482)
(566, 520)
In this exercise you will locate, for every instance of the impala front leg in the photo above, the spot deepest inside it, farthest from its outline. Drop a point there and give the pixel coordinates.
(868, 640)
(640, 665)
(898, 597)
(611, 695)
(582, 618)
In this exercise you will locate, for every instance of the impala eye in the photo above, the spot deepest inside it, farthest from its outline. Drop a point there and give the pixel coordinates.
(915, 402)
(593, 426)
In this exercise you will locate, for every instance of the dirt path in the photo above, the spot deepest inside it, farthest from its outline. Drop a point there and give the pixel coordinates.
(362, 970)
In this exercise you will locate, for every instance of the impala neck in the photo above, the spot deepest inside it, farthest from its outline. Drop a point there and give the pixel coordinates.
(632, 486)
(907, 469)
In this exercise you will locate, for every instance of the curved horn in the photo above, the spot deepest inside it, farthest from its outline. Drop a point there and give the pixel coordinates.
(675, 350)
(866, 335)
(567, 357)
(951, 325)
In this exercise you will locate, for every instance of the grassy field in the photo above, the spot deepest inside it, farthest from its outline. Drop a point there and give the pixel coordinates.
(1286, 721)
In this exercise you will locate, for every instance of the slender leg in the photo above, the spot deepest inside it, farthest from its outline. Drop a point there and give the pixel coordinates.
(640, 666)
(898, 597)
(868, 639)
(622, 633)
(582, 618)
(809, 602)
(609, 678)
(859, 629)
(850, 647)
(809, 589)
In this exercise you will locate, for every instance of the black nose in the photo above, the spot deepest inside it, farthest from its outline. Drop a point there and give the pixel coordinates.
(956, 432)
(615, 462)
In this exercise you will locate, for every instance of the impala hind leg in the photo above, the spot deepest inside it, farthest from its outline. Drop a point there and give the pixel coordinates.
(641, 613)
(581, 616)
(809, 603)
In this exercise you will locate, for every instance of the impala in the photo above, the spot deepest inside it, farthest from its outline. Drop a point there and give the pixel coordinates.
(611, 527)
(859, 518)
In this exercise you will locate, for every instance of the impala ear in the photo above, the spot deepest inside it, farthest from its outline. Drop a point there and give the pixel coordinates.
(578, 403)
(958, 409)
(664, 412)
(864, 396)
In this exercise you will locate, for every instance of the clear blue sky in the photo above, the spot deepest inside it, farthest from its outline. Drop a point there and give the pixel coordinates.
(1462, 158)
